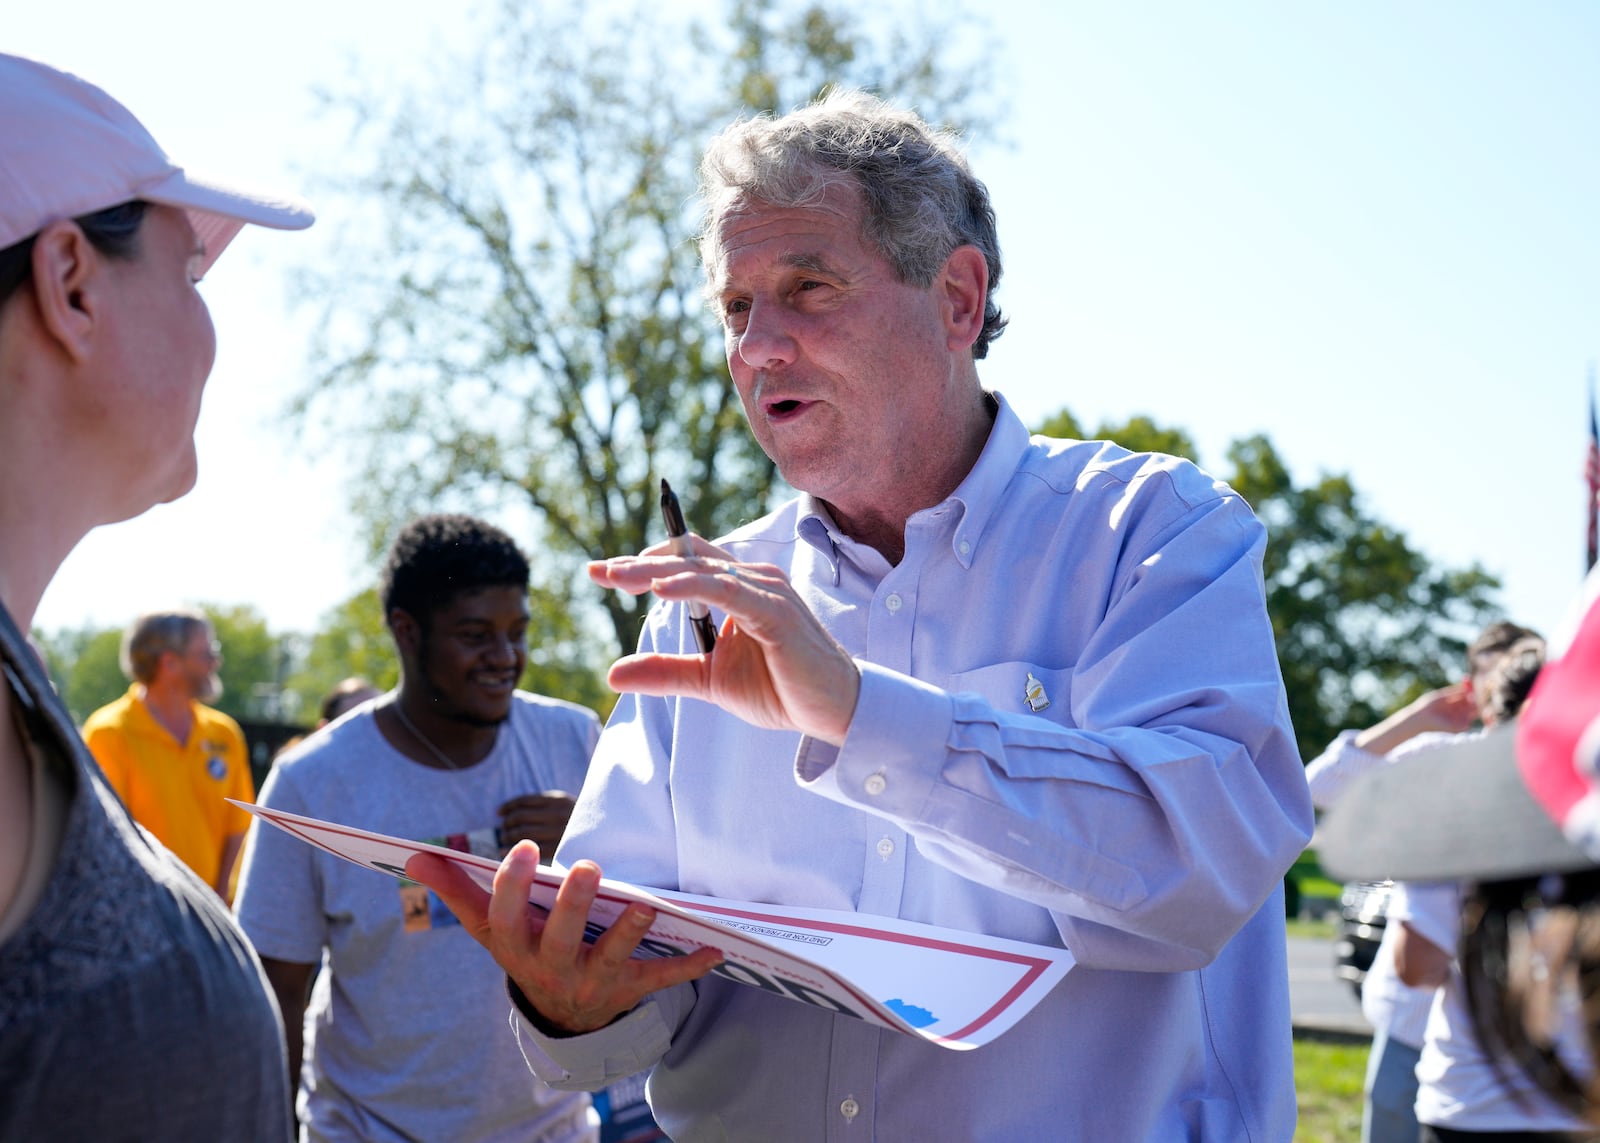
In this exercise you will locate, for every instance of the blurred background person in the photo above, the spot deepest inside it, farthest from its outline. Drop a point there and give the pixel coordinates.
(397, 1039)
(108, 943)
(1461, 1091)
(346, 696)
(1515, 823)
(1398, 1012)
(172, 759)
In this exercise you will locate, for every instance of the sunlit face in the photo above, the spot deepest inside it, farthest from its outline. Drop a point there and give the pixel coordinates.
(845, 373)
(471, 654)
(159, 350)
(1481, 679)
(199, 664)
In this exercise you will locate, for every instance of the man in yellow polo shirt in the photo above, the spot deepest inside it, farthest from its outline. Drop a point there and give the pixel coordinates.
(171, 758)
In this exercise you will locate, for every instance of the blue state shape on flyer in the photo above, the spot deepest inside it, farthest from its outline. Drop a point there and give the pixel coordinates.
(910, 1013)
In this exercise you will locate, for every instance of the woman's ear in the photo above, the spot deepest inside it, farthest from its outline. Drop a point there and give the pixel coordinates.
(65, 280)
(964, 282)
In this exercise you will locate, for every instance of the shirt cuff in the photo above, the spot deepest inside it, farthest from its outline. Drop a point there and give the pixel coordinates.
(894, 752)
(588, 1061)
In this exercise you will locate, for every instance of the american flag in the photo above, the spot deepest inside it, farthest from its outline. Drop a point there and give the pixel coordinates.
(1592, 476)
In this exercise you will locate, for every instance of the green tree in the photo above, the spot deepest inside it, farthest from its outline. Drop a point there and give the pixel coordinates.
(350, 639)
(521, 326)
(84, 665)
(1362, 619)
(1139, 433)
(564, 657)
(255, 663)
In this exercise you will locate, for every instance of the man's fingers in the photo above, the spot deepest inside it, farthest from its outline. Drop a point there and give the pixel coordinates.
(537, 815)
(613, 956)
(666, 972)
(508, 907)
(564, 930)
(614, 947)
(638, 574)
(461, 895)
(531, 804)
(658, 674)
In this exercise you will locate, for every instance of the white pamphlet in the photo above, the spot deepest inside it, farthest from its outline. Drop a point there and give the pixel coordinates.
(958, 990)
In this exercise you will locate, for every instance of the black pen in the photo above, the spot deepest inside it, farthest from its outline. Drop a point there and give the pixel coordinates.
(678, 535)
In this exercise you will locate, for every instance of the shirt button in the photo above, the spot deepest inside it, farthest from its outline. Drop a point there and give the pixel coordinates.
(964, 547)
(893, 602)
(885, 847)
(849, 1108)
(875, 784)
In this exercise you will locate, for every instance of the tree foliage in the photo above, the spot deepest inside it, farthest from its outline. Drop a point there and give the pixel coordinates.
(351, 639)
(255, 663)
(1363, 620)
(85, 664)
(521, 327)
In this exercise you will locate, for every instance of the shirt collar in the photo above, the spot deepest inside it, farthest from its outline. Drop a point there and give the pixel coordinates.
(976, 498)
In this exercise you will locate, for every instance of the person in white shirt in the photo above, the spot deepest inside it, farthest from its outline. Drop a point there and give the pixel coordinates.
(1397, 1011)
(1500, 901)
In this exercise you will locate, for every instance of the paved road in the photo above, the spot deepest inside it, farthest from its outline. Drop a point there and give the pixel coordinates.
(1317, 999)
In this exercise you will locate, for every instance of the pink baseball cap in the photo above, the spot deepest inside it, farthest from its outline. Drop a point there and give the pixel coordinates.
(68, 149)
(1520, 800)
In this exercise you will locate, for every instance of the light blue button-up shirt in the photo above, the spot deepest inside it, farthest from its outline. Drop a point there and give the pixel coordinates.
(1071, 730)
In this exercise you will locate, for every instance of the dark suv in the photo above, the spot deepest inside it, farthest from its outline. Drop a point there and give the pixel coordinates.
(1363, 909)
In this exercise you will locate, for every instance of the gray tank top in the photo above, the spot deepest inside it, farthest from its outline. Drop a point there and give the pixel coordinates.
(131, 1006)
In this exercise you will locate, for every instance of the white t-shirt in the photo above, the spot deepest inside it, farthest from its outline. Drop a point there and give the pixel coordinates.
(1459, 1086)
(1388, 1003)
(405, 1034)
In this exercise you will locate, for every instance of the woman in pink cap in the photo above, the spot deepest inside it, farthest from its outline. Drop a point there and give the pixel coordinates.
(130, 1004)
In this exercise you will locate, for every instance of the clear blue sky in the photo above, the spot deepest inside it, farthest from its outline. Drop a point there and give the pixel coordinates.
(1363, 229)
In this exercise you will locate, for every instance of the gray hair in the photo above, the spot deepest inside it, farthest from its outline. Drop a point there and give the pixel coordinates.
(152, 635)
(921, 198)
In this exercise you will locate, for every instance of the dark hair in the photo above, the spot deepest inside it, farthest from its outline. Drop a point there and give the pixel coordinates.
(1524, 944)
(436, 558)
(338, 700)
(1498, 638)
(113, 231)
(1511, 679)
(921, 198)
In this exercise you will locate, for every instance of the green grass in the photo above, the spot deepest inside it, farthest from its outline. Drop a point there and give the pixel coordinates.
(1316, 885)
(1312, 930)
(1327, 1080)
(1313, 882)
(1327, 1074)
